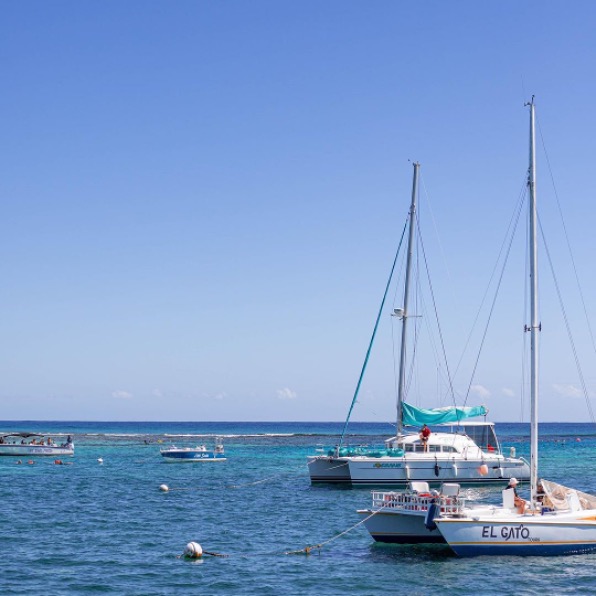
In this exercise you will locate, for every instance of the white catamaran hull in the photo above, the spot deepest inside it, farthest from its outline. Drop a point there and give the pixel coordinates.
(329, 469)
(399, 472)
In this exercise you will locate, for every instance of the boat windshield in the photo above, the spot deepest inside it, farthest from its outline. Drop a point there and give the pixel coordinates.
(483, 435)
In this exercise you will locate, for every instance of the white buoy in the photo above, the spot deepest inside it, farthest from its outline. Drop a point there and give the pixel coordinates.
(100, 460)
(164, 488)
(193, 550)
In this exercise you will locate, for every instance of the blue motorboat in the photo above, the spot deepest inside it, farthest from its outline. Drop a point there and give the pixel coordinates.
(192, 454)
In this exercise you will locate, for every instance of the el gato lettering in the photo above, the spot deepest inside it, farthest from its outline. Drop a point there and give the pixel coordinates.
(506, 532)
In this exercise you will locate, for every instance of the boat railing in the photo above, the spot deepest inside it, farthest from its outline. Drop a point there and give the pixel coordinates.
(411, 501)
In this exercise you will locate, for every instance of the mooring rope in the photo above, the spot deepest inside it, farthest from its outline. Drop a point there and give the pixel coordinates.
(307, 550)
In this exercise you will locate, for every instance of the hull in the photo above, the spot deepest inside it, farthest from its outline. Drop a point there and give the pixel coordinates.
(522, 535)
(403, 527)
(332, 470)
(35, 450)
(398, 472)
(187, 455)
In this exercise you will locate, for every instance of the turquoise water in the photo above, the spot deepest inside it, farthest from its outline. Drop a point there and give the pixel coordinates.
(108, 529)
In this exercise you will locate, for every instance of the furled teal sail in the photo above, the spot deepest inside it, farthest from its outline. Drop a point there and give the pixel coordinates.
(412, 416)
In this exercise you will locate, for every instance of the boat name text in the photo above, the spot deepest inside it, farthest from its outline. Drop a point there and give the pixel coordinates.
(506, 532)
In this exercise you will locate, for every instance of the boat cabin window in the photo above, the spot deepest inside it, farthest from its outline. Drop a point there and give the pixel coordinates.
(484, 436)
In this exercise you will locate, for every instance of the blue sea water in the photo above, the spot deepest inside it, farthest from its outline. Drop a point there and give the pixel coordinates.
(90, 528)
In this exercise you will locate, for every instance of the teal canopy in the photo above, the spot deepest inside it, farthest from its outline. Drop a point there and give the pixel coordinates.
(412, 416)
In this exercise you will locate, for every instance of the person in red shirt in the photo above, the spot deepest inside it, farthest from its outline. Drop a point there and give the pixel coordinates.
(424, 434)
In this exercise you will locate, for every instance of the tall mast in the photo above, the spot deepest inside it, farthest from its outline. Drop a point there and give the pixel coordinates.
(535, 325)
(404, 313)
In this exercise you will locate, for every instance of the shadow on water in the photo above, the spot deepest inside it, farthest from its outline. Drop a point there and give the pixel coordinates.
(403, 553)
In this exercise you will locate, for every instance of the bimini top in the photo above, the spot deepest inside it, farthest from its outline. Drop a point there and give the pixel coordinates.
(22, 435)
(412, 416)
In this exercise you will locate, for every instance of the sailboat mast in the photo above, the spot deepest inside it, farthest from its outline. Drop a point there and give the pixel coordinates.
(535, 326)
(404, 314)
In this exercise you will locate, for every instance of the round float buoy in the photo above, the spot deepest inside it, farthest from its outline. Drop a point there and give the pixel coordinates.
(58, 462)
(30, 462)
(483, 470)
(164, 489)
(193, 550)
(100, 460)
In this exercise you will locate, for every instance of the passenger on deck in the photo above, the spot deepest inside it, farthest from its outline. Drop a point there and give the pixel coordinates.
(519, 503)
(424, 434)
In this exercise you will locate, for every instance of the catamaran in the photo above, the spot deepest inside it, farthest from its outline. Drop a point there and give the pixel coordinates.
(458, 449)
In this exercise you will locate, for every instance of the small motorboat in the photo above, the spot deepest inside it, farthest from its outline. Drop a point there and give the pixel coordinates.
(192, 454)
(34, 444)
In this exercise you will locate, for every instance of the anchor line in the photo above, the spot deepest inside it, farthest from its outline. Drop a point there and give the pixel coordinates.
(303, 551)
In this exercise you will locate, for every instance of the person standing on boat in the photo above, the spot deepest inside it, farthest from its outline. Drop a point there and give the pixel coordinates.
(424, 434)
(519, 503)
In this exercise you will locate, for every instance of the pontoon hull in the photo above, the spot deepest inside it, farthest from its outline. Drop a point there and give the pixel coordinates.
(35, 450)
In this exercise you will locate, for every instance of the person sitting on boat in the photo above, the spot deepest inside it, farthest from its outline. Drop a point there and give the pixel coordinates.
(424, 434)
(519, 503)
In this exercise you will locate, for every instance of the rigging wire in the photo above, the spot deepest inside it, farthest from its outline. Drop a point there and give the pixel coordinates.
(567, 325)
(525, 351)
(567, 240)
(515, 219)
(393, 344)
(437, 319)
(489, 284)
(412, 368)
(451, 285)
(372, 339)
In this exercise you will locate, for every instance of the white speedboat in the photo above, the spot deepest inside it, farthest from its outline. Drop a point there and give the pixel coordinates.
(456, 451)
(194, 454)
(33, 444)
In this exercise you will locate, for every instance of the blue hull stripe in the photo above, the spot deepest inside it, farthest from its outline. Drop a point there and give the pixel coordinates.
(404, 539)
(533, 549)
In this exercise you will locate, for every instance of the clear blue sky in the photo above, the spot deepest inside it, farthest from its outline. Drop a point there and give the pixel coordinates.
(200, 201)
